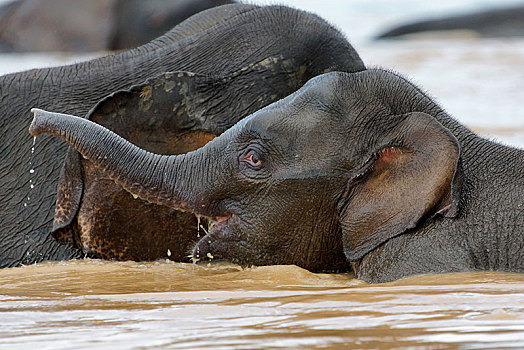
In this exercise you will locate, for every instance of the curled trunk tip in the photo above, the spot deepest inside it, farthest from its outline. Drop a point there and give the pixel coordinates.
(40, 121)
(155, 178)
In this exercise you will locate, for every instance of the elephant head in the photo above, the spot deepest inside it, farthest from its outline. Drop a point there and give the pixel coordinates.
(209, 90)
(320, 177)
(173, 113)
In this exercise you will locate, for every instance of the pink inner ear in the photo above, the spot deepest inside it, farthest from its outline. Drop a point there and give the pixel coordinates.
(387, 155)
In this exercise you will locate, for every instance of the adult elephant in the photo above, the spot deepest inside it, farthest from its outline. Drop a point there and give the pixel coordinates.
(230, 61)
(360, 165)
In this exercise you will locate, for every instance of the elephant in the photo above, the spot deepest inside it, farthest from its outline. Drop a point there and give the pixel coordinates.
(169, 96)
(359, 170)
(87, 26)
(493, 23)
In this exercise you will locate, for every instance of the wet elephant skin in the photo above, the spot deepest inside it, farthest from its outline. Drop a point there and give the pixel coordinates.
(217, 88)
(359, 170)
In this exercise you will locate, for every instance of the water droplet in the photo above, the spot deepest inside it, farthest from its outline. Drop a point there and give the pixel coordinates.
(168, 252)
(31, 170)
(198, 225)
(203, 229)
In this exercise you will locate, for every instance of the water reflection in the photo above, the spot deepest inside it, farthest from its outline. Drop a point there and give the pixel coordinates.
(166, 305)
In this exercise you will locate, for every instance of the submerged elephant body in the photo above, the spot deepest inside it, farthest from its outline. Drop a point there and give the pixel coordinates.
(208, 89)
(361, 169)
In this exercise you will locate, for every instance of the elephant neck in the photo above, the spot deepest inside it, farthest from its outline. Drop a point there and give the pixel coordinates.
(492, 220)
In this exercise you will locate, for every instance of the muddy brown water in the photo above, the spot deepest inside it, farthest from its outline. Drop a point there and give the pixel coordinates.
(126, 305)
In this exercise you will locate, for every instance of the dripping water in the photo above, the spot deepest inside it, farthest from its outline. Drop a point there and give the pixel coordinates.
(198, 225)
(31, 172)
(31, 182)
(203, 229)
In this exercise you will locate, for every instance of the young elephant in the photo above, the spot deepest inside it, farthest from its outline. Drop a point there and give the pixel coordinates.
(212, 84)
(362, 165)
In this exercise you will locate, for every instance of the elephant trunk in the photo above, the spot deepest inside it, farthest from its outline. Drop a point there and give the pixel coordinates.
(155, 178)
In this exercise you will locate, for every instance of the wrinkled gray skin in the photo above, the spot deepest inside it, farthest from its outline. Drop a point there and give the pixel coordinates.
(202, 45)
(363, 165)
(501, 22)
(91, 25)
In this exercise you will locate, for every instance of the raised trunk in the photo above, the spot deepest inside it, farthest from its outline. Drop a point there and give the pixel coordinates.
(155, 178)
(196, 46)
(25, 225)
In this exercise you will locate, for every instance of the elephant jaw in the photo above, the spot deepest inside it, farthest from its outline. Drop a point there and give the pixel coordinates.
(210, 246)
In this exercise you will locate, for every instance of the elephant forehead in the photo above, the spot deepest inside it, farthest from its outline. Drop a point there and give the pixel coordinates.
(302, 132)
(322, 110)
(299, 114)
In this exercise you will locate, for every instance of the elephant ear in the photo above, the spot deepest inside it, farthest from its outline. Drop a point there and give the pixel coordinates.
(157, 114)
(69, 195)
(166, 114)
(413, 175)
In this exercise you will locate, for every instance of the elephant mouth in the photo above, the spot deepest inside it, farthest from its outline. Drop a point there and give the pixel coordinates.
(208, 247)
(221, 220)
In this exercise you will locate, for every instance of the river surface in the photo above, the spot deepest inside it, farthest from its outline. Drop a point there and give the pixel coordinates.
(163, 305)
(108, 305)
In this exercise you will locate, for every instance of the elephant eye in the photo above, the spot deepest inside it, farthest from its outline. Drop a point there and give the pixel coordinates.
(252, 158)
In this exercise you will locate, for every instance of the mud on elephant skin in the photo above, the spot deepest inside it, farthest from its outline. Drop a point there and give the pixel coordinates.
(210, 90)
(361, 169)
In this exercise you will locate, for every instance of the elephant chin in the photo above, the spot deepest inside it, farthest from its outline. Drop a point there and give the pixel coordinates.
(217, 241)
